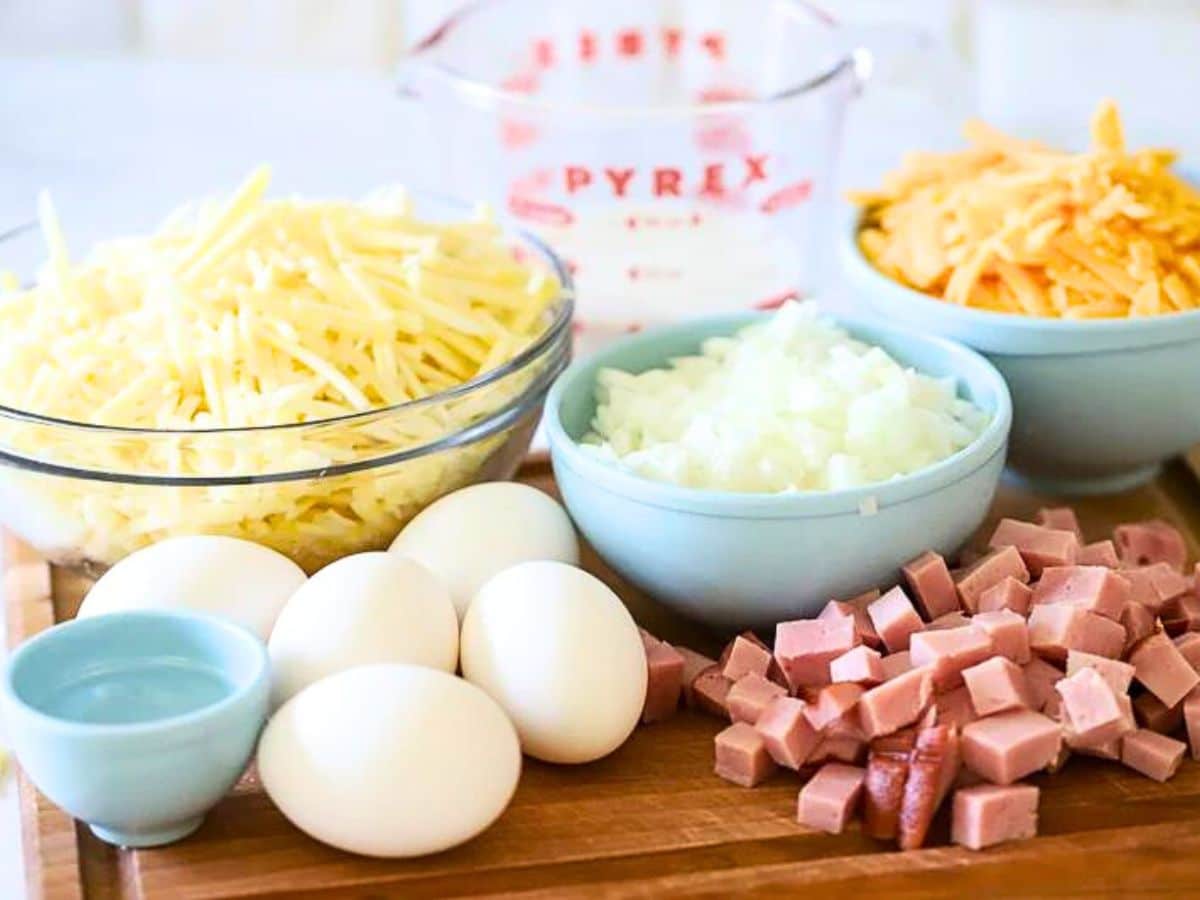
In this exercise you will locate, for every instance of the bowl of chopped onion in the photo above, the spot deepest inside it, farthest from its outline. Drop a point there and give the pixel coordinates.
(307, 374)
(746, 469)
(1076, 274)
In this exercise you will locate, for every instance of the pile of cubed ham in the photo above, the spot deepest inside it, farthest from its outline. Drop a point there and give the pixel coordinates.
(965, 679)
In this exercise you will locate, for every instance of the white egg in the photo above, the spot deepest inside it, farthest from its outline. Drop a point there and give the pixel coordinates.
(556, 648)
(390, 760)
(224, 576)
(366, 608)
(467, 537)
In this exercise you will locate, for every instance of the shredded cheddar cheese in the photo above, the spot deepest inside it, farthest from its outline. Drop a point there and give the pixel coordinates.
(1013, 226)
(260, 312)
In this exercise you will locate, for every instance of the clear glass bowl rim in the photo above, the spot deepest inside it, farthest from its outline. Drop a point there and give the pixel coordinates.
(553, 345)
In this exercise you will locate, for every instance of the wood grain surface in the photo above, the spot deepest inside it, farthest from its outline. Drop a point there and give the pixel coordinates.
(652, 820)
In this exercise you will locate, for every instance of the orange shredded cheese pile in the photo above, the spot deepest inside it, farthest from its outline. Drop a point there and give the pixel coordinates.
(1012, 226)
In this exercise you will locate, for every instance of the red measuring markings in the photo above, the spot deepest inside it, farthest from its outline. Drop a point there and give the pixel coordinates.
(713, 179)
(515, 133)
(630, 42)
(777, 300)
(539, 211)
(791, 195)
(691, 220)
(652, 273)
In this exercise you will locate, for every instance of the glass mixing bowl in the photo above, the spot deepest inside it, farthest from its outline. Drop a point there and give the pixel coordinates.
(87, 495)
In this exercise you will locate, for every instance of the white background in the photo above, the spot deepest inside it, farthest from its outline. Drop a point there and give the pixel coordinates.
(120, 105)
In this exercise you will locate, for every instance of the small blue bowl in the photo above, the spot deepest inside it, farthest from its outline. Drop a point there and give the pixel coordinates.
(137, 722)
(742, 560)
(1097, 405)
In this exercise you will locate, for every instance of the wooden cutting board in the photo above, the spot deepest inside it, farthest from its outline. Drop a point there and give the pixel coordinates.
(651, 820)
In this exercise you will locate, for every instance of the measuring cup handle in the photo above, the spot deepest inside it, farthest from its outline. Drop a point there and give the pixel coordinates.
(876, 48)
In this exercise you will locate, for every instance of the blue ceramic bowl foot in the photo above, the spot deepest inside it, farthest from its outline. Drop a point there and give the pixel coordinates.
(154, 838)
(1087, 487)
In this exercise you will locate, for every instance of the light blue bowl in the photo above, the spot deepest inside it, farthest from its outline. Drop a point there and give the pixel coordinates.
(137, 723)
(1097, 405)
(738, 560)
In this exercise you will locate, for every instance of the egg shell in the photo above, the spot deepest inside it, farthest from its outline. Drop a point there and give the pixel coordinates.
(224, 576)
(390, 760)
(556, 648)
(470, 535)
(362, 609)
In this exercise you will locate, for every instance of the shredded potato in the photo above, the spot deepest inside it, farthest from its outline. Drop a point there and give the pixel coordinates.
(1012, 226)
(259, 312)
(789, 404)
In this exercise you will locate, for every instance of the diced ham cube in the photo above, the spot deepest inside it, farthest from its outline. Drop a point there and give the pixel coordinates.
(838, 749)
(862, 622)
(1139, 622)
(933, 765)
(996, 685)
(804, 648)
(1041, 677)
(883, 792)
(1092, 709)
(1189, 646)
(933, 590)
(1008, 594)
(1144, 543)
(989, 814)
(831, 703)
(1008, 631)
(1119, 675)
(987, 571)
(1111, 750)
(741, 755)
(693, 664)
(710, 692)
(955, 708)
(901, 742)
(1191, 717)
(1100, 553)
(1039, 547)
(1181, 615)
(1152, 754)
(1093, 588)
(664, 681)
(1061, 518)
(1160, 666)
(956, 619)
(1153, 714)
(727, 651)
(1055, 628)
(1167, 582)
(896, 664)
(861, 665)
(749, 696)
(1010, 745)
(789, 737)
(895, 703)
(949, 652)
(830, 797)
(774, 673)
(746, 656)
(895, 618)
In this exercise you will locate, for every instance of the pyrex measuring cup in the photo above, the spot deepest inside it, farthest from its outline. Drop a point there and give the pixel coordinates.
(678, 153)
